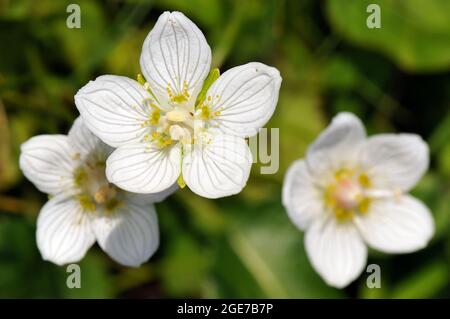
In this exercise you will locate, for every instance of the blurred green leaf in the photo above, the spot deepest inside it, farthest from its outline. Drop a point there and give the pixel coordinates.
(444, 160)
(423, 283)
(243, 245)
(23, 273)
(5, 171)
(204, 213)
(434, 192)
(271, 250)
(440, 137)
(184, 267)
(341, 74)
(300, 120)
(95, 279)
(414, 33)
(208, 13)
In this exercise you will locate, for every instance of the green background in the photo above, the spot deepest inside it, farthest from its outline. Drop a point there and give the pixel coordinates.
(395, 78)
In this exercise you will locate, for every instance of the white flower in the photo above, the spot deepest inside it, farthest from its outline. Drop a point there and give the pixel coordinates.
(164, 129)
(351, 191)
(84, 207)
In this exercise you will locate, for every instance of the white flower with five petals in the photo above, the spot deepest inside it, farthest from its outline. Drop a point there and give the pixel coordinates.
(168, 128)
(84, 207)
(352, 191)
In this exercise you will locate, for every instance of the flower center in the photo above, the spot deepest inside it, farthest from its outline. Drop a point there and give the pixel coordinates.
(180, 124)
(184, 122)
(174, 126)
(94, 189)
(345, 194)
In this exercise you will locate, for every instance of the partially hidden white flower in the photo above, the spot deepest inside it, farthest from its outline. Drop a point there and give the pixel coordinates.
(84, 207)
(165, 130)
(352, 191)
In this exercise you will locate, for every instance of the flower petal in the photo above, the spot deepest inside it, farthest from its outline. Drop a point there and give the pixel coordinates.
(301, 198)
(399, 225)
(336, 250)
(144, 168)
(48, 162)
(83, 141)
(245, 98)
(175, 56)
(395, 161)
(64, 233)
(220, 168)
(114, 108)
(336, 147)
(129, 235)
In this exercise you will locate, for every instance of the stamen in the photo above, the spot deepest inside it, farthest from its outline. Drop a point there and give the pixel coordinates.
(154, 117)
(181, 97)
(161, 140)
(86, 203)
(80, 177)
(94, 190)
(206, 111)
(104, 193)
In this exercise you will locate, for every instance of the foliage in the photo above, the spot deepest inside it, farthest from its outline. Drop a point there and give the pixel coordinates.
(395, 78)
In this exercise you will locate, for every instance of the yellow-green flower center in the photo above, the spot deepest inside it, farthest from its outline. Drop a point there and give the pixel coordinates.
(94, 190)
(345, 195)
(179, 124)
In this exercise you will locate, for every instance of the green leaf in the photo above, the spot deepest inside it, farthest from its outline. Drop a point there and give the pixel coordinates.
(269, 257)
(300, 120)
(95, 280)
(441, 135)
(184, 267)
(414, 33)
(341, 74)
(23, 273)
(5, 171)
(209, 13)
(423, 283)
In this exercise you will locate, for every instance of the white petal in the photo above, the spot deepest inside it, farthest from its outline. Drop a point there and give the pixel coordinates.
(395, 161)
(175, 53)
(301, 198)
(114, 109)
(336, 250)
(245, 97)
(218, 169)
(145, 199)
(336, 147)
(83, 141)
(399, 225)
(129, 235)
(48, 162)
(144, 168)
(64, 234)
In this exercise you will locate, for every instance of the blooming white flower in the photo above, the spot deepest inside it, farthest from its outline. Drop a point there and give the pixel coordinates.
(351, 191)
(168, 128)
(84, 207)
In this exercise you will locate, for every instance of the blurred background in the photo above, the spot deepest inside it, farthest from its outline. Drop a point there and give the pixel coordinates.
(395, 78)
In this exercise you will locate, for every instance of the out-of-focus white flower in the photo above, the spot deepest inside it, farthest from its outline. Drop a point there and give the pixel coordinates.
(84, 207)
(352, 191)
(167, 128)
